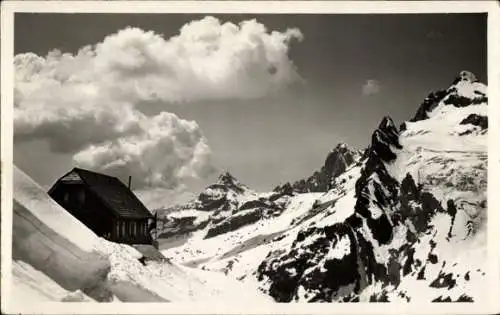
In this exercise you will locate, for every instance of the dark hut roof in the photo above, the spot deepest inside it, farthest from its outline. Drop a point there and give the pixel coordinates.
(112, 192)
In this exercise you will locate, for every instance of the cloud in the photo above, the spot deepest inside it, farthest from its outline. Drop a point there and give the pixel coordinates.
(371, 87)
(166, 151)
(89, 103)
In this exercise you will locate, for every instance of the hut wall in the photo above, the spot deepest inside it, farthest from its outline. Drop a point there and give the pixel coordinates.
(84, 205)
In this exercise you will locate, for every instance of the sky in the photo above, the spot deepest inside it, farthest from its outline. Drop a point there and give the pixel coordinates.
(178, 98)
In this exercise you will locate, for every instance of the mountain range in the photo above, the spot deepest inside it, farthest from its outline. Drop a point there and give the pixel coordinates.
(396, 221)
(403, 220)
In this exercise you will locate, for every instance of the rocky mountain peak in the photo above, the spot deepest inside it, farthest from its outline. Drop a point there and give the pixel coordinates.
(465, 90)
(341, 146)
(386, 123)
(227, 179)
(227, 182)
(336, 163)
(465, 75)
(220, 195)
(339, 159)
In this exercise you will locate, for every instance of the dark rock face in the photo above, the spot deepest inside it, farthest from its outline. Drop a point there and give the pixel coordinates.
(337, 161)
(384, 139)
(430, 102)
(403, 127)
(462, 101)
(234, 222)
(365, 154)
(444, 280)
(209, 203)
(476, 120)
(416, 206)
(259, 203)
(176, 226)
(280, 191)
(249, 213)
(299, 267)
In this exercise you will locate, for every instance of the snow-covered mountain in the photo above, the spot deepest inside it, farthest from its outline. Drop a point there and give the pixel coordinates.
(222, 207)
(405, 221)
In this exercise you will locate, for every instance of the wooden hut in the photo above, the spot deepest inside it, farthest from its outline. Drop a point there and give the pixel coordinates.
(105, 205)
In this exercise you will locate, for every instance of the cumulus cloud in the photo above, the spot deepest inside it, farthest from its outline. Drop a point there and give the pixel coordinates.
(89, 103)
(371, 87)
(166, 151)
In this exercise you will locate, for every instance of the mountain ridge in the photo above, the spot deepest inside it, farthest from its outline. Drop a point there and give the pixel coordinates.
(337, 161)
(381, 223)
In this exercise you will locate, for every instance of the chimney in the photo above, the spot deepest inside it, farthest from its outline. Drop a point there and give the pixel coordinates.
(129, 181)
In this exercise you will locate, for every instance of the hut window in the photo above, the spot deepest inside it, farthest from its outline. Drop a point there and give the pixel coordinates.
(66, 196)
(118, 228)
(123, 228)
(133, 228)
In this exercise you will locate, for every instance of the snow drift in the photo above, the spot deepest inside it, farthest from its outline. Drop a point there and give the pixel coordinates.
(49, 239)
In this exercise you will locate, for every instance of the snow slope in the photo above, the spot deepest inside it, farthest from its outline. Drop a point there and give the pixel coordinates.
(50, 240)
(240, 251)
(35, 286)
